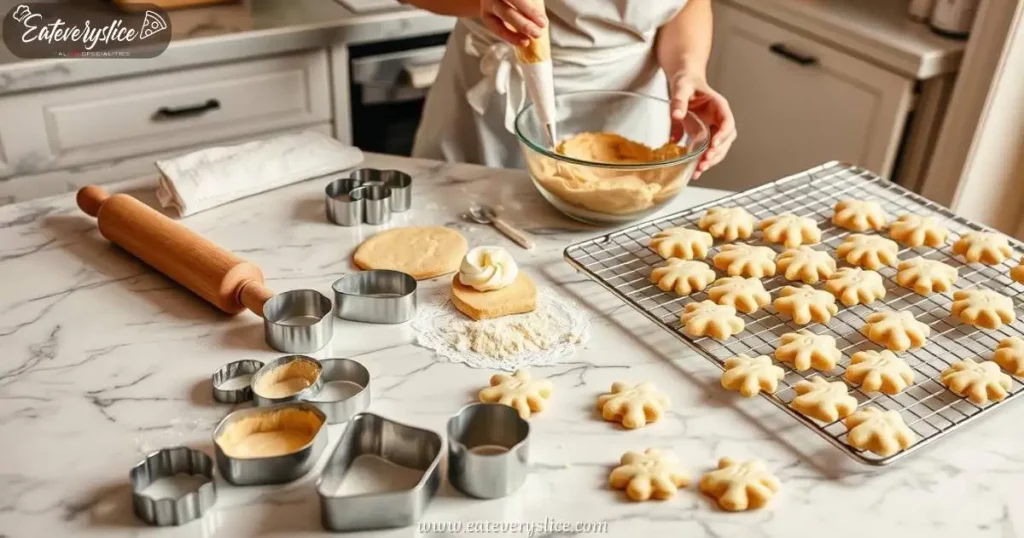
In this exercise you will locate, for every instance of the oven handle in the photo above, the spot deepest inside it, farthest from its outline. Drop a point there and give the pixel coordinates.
(421, 76)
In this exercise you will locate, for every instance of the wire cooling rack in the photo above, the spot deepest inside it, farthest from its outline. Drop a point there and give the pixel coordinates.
(621, 262)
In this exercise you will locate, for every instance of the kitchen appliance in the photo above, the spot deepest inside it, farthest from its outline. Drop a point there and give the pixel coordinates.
(953, 18)
(389, 85)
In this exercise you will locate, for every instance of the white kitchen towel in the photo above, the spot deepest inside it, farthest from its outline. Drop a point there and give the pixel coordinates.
(211, 177)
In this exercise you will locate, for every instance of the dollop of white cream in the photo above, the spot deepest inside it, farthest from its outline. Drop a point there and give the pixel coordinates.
(488, 269)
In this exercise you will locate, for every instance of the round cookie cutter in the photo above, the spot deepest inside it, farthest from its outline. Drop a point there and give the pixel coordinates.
(375, 296)
(166, 463)
(488, 450)
(298, 321)
(348, 371)
(308, 368)
(234, 370)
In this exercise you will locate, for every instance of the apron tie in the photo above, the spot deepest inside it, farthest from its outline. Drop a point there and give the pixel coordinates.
(501, 75)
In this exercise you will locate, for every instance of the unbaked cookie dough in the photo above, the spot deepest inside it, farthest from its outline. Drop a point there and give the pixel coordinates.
(740, 486)
(985, 247)
(751, 375)
(420, 251)
(288, 379)
(859, 215)
(265, 435)
(651, 474)
(518, 391)
(853, 286)
(882, 432)
(979, 382)
(983, 308)
(896, 331)
(682, 243)
(727, 223)
(633, 406)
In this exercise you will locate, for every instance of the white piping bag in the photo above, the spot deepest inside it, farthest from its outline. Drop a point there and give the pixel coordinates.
(535, 63)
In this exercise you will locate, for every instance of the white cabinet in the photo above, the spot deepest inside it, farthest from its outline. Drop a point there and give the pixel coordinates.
(799, 103)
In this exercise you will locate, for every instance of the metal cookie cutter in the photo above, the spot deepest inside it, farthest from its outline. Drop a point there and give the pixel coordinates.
(368, 196)
(298, 321)
(375, 296)
(337, 373)
(165, 464)
(276, 469)
(225, 391)
(307, 369)
(488, 450)
(407, 446)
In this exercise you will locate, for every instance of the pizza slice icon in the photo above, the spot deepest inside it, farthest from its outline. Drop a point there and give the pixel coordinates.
(152, 23)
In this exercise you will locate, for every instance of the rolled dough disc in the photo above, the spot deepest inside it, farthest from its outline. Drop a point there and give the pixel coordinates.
(518, 297)
(420, 251)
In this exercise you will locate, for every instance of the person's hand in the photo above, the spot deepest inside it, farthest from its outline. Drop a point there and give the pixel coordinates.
(691, 92)
(515, 21)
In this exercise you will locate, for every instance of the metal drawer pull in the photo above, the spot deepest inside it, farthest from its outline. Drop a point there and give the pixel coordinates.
(167, 113)
(784, 51)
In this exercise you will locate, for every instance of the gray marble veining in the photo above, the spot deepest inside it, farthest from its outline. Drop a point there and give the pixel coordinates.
(103, 360)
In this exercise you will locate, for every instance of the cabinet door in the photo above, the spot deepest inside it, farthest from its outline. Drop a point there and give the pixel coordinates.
(799, 103)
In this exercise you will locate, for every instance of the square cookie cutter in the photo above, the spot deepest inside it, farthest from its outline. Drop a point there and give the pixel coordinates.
(166, 463)
(369, 196)
(401, 444)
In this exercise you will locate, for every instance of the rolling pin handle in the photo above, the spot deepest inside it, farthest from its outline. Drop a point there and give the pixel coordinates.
(254, 295)
(90, 198)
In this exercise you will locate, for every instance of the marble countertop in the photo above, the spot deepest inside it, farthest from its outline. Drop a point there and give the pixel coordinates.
(104, 360)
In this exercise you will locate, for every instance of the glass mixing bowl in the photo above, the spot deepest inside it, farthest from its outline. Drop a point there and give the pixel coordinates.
(603, 192)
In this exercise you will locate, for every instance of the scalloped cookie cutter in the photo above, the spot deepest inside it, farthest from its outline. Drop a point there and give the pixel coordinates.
(166, 463)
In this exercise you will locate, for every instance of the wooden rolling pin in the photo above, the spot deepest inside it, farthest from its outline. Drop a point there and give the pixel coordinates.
(226, 281)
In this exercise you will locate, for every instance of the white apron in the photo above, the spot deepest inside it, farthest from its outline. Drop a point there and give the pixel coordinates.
(595, 44)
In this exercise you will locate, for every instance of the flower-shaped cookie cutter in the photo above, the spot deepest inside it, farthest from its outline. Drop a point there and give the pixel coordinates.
(166, 463)
(368, 196)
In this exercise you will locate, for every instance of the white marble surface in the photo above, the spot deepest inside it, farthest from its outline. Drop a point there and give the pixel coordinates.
(103, 360)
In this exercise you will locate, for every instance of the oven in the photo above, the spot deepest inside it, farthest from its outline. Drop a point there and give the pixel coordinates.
(389, 85)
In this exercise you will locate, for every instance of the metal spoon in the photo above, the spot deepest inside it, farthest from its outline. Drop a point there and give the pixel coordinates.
(483, 214)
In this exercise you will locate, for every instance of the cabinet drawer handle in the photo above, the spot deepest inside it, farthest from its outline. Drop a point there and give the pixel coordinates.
(168, 113)
(784, 51)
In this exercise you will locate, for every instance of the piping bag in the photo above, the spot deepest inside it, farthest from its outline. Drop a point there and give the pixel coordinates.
(535, 63)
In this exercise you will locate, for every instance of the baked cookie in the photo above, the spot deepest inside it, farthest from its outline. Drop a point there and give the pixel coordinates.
(745, 260)
(1010, 356)
(420, 251)
(983, 308)
(853, 286)
(868, 251)
(740, 486)
(682, 276)
(804, 350)
(651, 474)
(882, 432)
(682, 243)
(518, 391)
(896, 331)
(709, 319)
(744, 294)
(750, 375)
(790, 230)
(805, 264)
(632, 406)
(859, 215)
(1017, 273)
(984, 247)
(821, 400)
(806, 304)
(926, 276)
(727, 223)
(915, 231)
(979, 382)
(879, 371)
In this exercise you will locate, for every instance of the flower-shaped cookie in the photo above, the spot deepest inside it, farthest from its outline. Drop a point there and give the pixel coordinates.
(728, 223)
(682, 243)
(879, 371)
(709, 319)
(985, 247)
(806, 304)
(790, 230)
(651, 474)
(868, 251)
(882, 432)
(853, 286)
(915, 231)
(745, 294)
(983, 308)
(896, 331)
(750, 375)
(803, 350)
(519, 391)
(1017, 273)
(739, 486)
(926, 276)
(682, 276)
(632, 406)
(859, 215)
(1010, 355)
(821, 400)
(979, 382)
(745, 260)
(805, 264)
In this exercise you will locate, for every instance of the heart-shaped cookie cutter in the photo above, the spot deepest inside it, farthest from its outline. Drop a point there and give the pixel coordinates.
(166, 463)
(368, 196)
